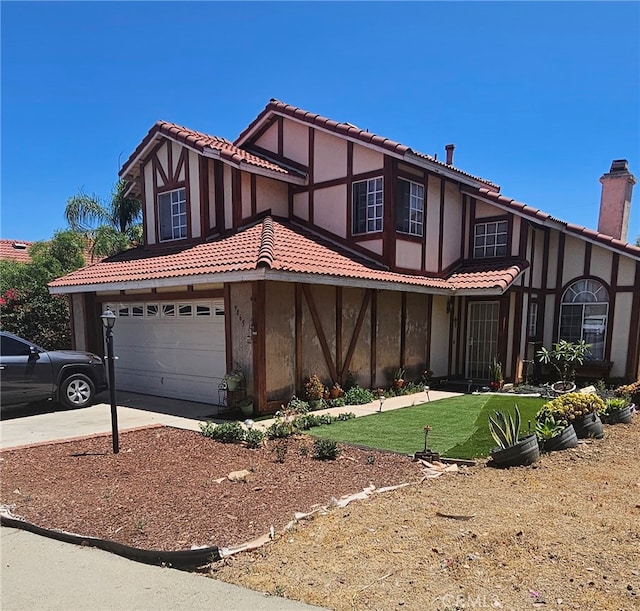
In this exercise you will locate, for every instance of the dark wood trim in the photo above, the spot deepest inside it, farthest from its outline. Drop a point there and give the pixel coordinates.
(452, 315)
(218, 186)
(472, 223)
(236, 197)
(280, 136)
(187, 192)
(227, 327)
(463, 322)
(349, 177)
(403, 328)
(587, 259)
(280, 159)
(404, 175)
(409, 237)
(311, 182)
(254, 195)
(613, 291)
(189, 295)
(259, 344)
(532, 258)
(558, 288)
(503, 326)
(339, 331)
(356, 333)
(298, 334)
(319, 331)
(632, 369)
(170, 161)
(374, 338)
(441, 227)
(524, 237)
(204, 195)
(261, 132)
(388, 213)
(145, 217)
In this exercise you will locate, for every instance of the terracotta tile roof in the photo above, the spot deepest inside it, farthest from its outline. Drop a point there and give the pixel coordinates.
(541, 217)
(16, 250)
(275, 247)
(498, 274)
(202, 143)
(351, 131)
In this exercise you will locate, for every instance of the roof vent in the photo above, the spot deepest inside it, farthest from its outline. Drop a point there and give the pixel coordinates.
(19, 246)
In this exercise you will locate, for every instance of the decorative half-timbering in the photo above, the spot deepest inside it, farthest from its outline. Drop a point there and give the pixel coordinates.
(311, 246)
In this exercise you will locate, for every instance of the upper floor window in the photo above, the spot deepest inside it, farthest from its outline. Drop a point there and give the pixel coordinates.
(172, 211)
(367, 206)
(490, 239)
(410, 207)
(583, 315)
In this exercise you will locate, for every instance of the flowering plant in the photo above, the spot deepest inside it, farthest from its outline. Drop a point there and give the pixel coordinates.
(314, 388)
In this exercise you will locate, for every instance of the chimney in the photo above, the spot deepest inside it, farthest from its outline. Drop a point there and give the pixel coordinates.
(449, 148)
(615, 202)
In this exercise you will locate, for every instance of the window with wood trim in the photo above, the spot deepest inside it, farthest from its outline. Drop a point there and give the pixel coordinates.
(490, 239)
(410, 207)
(584, 313)
(367, 206)
(172, 213)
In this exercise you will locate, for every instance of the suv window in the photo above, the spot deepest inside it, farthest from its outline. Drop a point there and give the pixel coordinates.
(13, 347)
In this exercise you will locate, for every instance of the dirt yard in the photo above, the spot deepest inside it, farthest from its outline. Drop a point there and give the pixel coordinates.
(562, 534)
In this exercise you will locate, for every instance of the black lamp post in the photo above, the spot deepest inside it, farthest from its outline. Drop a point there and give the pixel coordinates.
(108, 320)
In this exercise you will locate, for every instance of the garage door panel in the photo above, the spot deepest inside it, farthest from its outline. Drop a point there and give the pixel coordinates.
(178, 357)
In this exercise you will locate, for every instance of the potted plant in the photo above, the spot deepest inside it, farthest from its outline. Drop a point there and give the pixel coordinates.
(512, 450)
(314, 390)
(246, 406)
(336, 391)
(553, 433)
(618, 410)
(564, 357)
(631, 391)
(579, 409)
(496, 379)
(398, 378)
(233, 379)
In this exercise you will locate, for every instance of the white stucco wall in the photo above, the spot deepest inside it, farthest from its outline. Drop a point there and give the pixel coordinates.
(432, 218)
(372, 245)
(366, 160)
(452, 225)
(269, 140)
(330, 157)
(329, 211)
(620, 334)
(296, 141)
(272, 195)
(301, 205)
(484, 210)
(601, 260)
(194, 194)
(408, 254)
(626, 272)
(149, 207)
(573, 261)
(439, 336)
(245, 179)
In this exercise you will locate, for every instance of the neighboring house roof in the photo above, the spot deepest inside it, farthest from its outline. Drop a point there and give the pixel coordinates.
(207, 145)
(275, 250)
(543, 218)
(16, 250)
(349, 131)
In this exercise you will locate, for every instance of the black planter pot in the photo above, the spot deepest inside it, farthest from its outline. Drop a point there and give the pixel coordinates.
(567, 439)
(525, 452)
(589, 426)
(621, 416)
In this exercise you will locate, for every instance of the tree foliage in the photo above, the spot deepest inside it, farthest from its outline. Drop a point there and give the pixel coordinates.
(111, 227)
(26, 306)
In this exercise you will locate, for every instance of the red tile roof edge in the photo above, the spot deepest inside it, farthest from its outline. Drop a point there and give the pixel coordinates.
(578, 230)
(351, 131)
(200, 142)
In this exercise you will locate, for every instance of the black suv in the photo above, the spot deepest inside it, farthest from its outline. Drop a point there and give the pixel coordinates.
(29, 373)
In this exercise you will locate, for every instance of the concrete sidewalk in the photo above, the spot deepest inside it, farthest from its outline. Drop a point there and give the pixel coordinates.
(48, 575)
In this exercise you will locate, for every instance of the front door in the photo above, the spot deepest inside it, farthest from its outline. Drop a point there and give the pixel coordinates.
(482, 340)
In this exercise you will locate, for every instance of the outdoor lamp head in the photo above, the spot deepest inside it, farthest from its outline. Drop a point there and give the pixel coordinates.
(108, 319)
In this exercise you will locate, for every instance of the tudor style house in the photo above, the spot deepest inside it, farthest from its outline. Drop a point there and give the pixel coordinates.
(311, 246)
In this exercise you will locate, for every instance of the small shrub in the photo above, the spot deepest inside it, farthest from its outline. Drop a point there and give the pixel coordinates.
(505, 429)
(337, 402)
(253, 438)
(325, 449)
(345, 416)
(279, 429)
(305, 422)
(371, 459)
(314, 388)
(300, 406)
(632, 391)
(566, 408)
(358, 396)
(280, 450)
(206, 428)
(226, 432)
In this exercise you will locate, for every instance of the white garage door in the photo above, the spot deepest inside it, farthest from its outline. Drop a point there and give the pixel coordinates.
(170, 349)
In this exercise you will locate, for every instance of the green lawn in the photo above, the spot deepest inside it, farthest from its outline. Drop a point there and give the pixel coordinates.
(459, 425)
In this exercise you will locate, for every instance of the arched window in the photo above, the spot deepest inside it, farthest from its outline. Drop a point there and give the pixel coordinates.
(583, 315)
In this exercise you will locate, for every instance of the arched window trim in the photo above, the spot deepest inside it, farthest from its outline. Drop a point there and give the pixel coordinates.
(584, 314)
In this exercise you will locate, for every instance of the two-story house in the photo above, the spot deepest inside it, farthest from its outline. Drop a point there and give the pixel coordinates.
(311, 246)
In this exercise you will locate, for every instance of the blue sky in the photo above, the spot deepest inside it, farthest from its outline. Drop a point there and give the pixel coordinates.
(537, 97)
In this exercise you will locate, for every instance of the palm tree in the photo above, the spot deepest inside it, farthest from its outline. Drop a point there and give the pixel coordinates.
(111, 228)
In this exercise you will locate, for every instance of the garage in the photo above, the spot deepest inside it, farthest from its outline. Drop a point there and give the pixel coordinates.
(170, 349)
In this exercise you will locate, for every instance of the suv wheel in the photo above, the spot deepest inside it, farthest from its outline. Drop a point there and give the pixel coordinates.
(77, 391)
